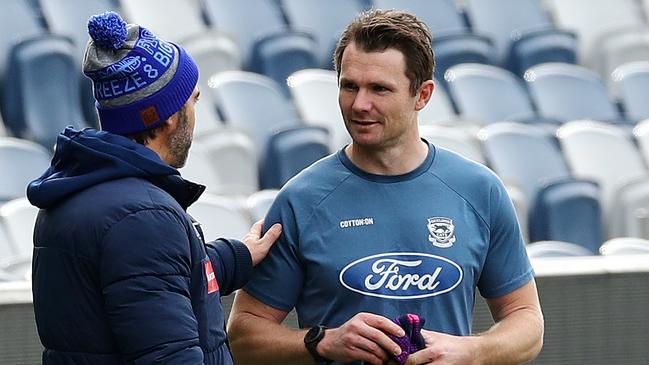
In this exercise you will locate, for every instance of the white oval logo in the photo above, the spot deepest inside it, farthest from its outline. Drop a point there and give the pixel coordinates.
(401, 275)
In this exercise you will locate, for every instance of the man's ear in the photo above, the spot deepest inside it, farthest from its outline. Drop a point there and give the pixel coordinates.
(424, 94)
(170, 124)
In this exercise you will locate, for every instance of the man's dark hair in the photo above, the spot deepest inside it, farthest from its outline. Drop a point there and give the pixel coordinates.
(377, 30)
(147, 135)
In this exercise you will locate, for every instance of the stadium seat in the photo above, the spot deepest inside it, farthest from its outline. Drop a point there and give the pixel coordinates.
(567, 92)
(632, 86)
(3, 130)
(315, 94)
(289, 151)
(439, 107)
(18, 217)
(41, 95)
(220, 216)
(7, 250)
(619, 48)
(568, 210)
(593, 21)
(625, 246)
(489, 94)
(630, 209)
(605, 154)
(225, 161)
(559, 206)
(280, 55)
(523, 155)
(171, 20)
(18, 21)
(213, 53)
(453, 41)
(325, 20)
(208, 118)
(555, 249)
(254, 104)
(21, 161)
(246, 22)
(641, 134)
(522, 32)
(259, 202)
(70, 18)
(267, 44)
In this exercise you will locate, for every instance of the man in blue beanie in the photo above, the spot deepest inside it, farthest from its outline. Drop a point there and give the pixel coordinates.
(121, 273)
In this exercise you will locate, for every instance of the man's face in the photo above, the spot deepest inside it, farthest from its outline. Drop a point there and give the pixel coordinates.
(375, 99)
(181, 139)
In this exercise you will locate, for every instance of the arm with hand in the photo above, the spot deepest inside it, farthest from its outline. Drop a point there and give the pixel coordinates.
(515, 338)
(233, 259)
(257, 336)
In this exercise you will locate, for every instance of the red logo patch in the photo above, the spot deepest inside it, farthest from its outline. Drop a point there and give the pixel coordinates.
(212, 284)
(149, 115)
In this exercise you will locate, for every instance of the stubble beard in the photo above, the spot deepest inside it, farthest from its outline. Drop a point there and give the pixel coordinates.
(180, 141)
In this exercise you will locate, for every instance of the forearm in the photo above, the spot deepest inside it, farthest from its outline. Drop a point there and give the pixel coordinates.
(257, 341)
(516, 339)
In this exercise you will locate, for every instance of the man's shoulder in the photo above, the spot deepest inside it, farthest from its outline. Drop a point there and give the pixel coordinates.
(459, 170)
(321, 176)
(115, 199)
(312, 185)
(470, 180)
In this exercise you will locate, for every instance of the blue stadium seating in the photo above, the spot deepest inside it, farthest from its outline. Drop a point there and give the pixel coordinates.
(324, 19)
(559, 206)
(267, 44)
(289, 151)
(488, 94)
(69, 18)
(522, 33)
(280, 55)
(632, 84)
(556, 249)
(41, 95)
(566, 92)
(25, 160)
(453, 41)
(254, 104)
(18, 21)
(568, 211)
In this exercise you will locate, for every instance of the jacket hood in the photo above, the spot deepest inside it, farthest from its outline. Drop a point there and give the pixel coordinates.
(89, 157)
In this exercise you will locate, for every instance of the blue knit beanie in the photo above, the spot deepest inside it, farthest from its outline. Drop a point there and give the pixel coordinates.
(139, 80)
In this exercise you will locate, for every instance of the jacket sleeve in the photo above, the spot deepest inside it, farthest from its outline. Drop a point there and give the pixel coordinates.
(145, 277)
(232, 264)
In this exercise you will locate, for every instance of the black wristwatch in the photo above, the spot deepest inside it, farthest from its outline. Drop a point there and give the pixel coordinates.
(311, 340)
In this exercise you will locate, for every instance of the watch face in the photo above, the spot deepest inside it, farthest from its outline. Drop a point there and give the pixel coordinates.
(314, 334)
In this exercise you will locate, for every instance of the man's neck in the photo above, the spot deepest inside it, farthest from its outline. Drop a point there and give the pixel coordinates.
(396, 160)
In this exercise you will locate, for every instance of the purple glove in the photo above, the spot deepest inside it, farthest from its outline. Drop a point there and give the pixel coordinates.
(413, 341)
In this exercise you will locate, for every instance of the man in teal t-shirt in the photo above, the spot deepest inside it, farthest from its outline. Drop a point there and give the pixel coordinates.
(389, 225)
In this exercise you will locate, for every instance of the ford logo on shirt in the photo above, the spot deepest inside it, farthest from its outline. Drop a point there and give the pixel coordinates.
(401, 275)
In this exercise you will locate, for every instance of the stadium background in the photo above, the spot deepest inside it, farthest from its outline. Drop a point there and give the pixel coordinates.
(550, 94)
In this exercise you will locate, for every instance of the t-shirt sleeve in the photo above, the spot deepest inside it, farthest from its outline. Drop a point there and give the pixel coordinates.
(277, 280)
(507, 266)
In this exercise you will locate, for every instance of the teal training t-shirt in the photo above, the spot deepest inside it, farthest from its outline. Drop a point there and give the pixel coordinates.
(414, 243)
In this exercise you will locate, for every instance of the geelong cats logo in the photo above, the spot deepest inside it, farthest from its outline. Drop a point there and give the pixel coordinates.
(442, 232)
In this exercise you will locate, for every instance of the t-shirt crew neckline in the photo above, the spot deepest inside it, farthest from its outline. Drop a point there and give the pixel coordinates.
(423, 167)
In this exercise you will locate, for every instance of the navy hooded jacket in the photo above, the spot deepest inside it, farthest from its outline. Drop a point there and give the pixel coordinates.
(121, 273)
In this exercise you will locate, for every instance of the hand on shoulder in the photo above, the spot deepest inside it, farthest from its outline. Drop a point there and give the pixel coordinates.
(259, 245)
